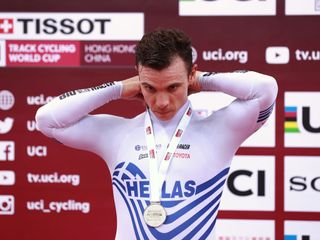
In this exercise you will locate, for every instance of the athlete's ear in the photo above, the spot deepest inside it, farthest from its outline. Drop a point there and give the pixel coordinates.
(192, 75)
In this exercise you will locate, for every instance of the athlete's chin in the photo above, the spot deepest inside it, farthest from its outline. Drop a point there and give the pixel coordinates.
(164, 116)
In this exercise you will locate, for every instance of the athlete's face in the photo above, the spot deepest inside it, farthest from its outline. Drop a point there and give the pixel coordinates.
(166, 91)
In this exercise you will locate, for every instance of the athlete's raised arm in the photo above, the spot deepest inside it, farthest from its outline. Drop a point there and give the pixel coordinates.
(66, 118)
(255, 93)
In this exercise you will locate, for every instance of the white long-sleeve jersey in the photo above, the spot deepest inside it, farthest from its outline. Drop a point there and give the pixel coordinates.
(193, 187)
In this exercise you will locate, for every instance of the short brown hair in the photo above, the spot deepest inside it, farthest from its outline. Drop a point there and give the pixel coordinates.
(157, 49)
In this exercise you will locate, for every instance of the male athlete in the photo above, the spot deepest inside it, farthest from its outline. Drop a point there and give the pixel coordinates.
(168, 164)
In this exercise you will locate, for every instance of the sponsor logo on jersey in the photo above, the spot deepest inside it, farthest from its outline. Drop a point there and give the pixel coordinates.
(158, 146)
(75, 92)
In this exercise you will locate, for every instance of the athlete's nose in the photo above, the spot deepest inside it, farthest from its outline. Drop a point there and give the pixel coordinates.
(162, 100)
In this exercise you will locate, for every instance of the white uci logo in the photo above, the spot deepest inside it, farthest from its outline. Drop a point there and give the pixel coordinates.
(37, 151)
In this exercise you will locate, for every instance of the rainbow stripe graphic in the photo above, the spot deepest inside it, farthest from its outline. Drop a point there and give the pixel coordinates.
(290, 116)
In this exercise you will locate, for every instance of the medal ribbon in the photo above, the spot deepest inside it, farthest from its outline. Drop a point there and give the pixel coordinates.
(158, 176)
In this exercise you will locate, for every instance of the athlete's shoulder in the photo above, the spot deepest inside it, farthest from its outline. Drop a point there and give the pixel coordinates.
(114, 119)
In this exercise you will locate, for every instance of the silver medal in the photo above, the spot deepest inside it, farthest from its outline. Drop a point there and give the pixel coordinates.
(155, 215)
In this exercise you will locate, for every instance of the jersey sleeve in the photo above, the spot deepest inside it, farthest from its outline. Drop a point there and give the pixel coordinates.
(255, 95)
(66, 118)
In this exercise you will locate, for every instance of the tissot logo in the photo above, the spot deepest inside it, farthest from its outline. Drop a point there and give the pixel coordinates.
(80, 26)
(6, 25)
(302, 124)
(250, 185)
(302, 183)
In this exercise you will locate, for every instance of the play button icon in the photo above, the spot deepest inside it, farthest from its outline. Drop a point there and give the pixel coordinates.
(277, 55)
(7, 178)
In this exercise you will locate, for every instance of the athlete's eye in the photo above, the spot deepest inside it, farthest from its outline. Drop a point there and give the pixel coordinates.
(149, 88)
(173, 88)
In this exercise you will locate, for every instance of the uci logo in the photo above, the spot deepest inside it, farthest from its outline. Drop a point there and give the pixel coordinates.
(247, 190)
(302, 119)
(250, 184)
(291, 120)
(39, 151)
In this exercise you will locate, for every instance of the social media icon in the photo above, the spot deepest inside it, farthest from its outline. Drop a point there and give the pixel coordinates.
(6, 125)
(277, 55)
(6, 205)
(7, 151)
(7, 178)
(6, 100)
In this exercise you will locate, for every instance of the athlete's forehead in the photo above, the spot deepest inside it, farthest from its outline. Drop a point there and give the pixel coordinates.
(176, 72)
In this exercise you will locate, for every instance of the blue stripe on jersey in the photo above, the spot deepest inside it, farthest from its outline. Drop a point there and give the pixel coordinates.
(212, 181)
(204, 221)
(172, 234)
(136, 206)
(130, 212)
(181, 212)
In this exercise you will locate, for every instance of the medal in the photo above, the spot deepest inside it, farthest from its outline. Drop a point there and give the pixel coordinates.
(155, 215)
